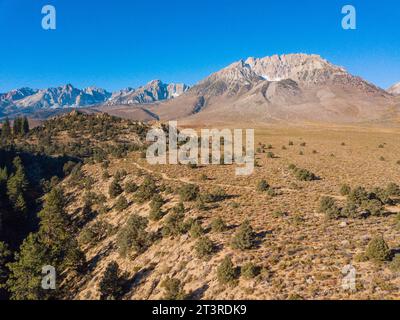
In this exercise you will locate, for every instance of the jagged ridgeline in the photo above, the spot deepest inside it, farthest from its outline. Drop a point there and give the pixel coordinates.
(34, 228)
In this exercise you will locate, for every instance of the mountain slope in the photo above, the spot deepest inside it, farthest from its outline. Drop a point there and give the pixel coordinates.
(395, 89)
(290, 88)
(153, 91)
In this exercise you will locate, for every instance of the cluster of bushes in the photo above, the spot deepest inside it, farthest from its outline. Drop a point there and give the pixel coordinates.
(360, 202)
(302, 174)
(228, 274)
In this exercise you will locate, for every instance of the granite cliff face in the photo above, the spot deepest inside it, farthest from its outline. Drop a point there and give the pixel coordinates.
(154, 91)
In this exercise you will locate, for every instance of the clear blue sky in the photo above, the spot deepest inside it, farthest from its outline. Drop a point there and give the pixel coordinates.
(119, 43)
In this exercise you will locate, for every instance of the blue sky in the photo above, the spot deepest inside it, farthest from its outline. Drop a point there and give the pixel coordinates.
(120, 43)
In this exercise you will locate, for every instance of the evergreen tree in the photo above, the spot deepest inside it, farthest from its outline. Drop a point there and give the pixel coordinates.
(111, 287)
(53, 231)
(24, 282)
(6, 130)
(25, 126)
(16, 127)
(17, 185)
(5, 255)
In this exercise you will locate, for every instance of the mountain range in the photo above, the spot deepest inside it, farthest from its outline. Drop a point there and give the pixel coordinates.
(27, 100)
(289, 88)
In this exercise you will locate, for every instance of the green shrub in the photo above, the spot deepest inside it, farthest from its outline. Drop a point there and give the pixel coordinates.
(131, 187)
(156, 214)
(179, 208)
(95, 233)
(175, 225)
(196, 230)
(244, 238)
(262, 186)
(189, 192)
(270, 155)
(350, 210)
(328, 206)
(250, 270)
(173, 289)
(358, 195)
(304, 175)
(373, 207)
(218, 225)
(121, 203)
(204, 247)
(147, 190)
(115, 189)
(381, 195)
(134, 237)
(377, 249)
(345, 190)
(226, 273)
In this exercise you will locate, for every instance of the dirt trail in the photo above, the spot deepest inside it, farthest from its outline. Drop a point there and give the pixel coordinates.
(223, 185)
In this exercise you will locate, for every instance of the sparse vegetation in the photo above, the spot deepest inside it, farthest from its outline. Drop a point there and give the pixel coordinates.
(204, 247)
(378, 250)
(173, 289)
(218, 225)
(189, 192)
(244, 238)
(134, 238)
(226, 272)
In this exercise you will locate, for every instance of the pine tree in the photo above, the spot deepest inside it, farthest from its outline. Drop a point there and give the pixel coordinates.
(6, 130)
(24, 282)
(25, 126)
(5, 255)
(110, 286)
(17, 127)
(53, 231)
(17, 185)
